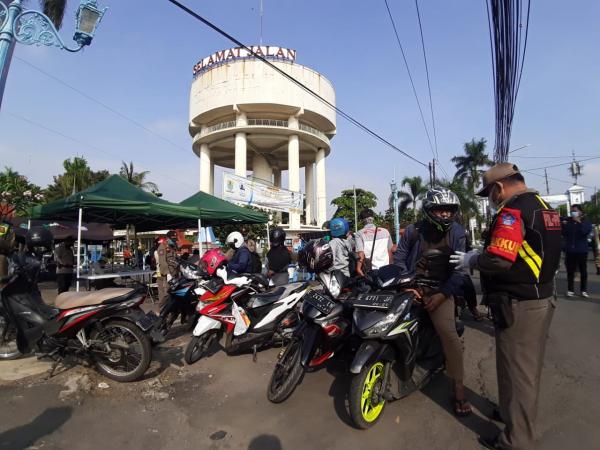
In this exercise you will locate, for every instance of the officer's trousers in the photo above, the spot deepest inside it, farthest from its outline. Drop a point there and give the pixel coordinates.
(519, 360)
(163, 291)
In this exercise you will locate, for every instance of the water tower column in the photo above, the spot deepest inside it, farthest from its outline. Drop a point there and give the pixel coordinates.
(309, 187)
(240, 146)
(321, 189)
(205, 166)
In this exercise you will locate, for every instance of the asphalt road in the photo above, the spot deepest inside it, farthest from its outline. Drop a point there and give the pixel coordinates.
(220, 402)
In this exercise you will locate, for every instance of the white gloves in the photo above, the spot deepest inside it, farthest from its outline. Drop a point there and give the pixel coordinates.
(169, 277)
(464, 260)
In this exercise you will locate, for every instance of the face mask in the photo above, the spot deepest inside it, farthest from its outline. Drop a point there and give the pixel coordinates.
(574, 214)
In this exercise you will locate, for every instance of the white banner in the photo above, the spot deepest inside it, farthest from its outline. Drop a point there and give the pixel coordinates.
(255, 193)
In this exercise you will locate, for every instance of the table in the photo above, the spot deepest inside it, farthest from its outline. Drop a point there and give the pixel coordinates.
(124, 274)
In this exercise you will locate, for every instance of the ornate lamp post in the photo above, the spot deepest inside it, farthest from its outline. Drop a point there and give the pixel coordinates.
(35, 28)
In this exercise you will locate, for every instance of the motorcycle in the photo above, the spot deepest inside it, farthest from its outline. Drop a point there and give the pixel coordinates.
(106, 328)
(182, 298)
(323, 330)
(400, 352)
(248, 318)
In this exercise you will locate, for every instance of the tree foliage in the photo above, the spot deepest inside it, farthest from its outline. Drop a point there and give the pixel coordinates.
(17, 194)
(469, 167)
(76, 177)
(137, 178)
(414, 192)
(345, 203)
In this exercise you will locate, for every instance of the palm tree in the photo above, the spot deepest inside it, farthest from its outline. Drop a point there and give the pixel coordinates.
(415, 191)
(55, 10)
(77, 175)
(469, 207)
(469, 167)
(137, 178)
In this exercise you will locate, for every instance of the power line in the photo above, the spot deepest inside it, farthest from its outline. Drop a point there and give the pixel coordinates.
(428, 82)
(104, 105)
(555, 179)
(342, 113)
(563, 164)
(85, 144)
(550, 157)
(412, 83)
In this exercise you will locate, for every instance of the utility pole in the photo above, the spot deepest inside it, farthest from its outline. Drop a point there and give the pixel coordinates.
(395, 207)
(434, 175)
(355, 212)
(547, 186)
(430, 175)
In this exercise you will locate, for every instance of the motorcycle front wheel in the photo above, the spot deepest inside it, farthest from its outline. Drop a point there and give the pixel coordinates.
(287, 374)
(8, 339)
(198, 346)
(122, 351)
(366, 395)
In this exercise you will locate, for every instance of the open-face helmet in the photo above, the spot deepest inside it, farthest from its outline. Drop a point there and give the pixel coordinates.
(339, 227)
(212, 260)
(235, 239)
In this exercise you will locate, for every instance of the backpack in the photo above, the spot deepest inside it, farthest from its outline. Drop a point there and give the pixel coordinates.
(256, 263)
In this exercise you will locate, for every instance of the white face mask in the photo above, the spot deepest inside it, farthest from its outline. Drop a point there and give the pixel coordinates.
(575, 214)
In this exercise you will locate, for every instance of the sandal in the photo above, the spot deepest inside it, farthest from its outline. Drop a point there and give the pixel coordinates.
(462, 408)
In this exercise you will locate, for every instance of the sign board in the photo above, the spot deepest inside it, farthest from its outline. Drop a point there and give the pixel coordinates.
(266, 51)
(262, 195)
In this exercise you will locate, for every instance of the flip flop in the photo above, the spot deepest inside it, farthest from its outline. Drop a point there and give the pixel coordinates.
(462, 408)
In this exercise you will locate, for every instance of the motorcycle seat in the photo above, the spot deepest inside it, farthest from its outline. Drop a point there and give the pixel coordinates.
(259, 278)
(68, 300)
(266, 298)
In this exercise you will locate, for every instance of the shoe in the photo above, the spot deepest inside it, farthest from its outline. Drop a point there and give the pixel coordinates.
(584, 294)
(570, 294)
(491, 443)
(496, 416)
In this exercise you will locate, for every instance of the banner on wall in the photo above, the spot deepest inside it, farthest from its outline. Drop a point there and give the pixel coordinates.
(247, 191)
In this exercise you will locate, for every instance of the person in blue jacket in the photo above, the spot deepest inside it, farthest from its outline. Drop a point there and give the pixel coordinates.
(575, 232)
(241, 261)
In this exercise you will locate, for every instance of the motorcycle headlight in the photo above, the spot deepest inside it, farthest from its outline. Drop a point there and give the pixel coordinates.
(388, 321)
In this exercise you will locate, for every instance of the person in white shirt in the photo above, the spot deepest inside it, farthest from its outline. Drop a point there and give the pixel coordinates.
(373, 245)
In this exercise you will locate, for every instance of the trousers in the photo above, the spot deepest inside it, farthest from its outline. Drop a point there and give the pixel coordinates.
(64, 281)
(444, 322)
(576, 261)
(163, 291)
(520, 352)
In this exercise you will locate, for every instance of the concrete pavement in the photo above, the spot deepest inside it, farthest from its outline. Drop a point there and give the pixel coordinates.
(220, 402)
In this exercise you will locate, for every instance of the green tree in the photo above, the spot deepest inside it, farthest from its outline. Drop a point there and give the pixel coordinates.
(137, 178)
(414, 192)
(76, 177)
(17, 194)
(469, 207)
(345, 203)
(55, 10)
(469, 166)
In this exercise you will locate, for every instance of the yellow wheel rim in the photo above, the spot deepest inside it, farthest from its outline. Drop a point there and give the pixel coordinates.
(371, 411)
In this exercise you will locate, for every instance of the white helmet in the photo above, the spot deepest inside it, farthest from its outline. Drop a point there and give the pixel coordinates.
(235, 238)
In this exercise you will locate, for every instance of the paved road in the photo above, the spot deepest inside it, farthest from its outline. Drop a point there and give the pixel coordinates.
(220, 403)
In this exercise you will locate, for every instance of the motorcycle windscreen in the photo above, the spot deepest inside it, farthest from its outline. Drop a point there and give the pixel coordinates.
(242, 321)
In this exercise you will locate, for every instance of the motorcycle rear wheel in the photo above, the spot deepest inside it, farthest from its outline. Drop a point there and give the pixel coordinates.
(199, 345)
(129, 350)
(8, 339)
(365, 399)
(287, 374)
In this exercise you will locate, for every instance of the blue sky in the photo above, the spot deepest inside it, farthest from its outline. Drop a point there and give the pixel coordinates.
(140, 64)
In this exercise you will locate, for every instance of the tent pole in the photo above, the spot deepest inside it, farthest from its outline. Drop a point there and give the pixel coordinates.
(199, 237)
(79, 244)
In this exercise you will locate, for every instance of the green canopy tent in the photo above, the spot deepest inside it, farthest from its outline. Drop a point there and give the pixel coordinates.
(118, 202)
(214, 211)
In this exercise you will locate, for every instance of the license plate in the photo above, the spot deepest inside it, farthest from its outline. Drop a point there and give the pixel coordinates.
(319, 301)
(374, 301)
(146, 322)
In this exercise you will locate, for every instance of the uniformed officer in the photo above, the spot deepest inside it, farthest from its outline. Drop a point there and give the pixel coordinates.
(167, 266)
(518, 265)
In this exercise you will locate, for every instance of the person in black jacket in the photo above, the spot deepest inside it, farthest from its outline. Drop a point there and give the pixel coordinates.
(575, 232)
(439, 231)
(517, 266)
(278, 258)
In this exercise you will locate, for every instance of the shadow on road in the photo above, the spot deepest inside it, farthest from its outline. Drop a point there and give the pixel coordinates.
(484, 326)
(26, 435)
(439, 391)
(162, 359)
(339, 389)
(265, 442)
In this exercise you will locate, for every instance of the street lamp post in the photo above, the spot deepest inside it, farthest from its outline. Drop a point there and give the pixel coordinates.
(394, 188)
(35, 28)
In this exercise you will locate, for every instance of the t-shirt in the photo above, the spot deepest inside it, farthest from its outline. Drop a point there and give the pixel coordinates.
(278, 259)
(341, 249)
(383, 243)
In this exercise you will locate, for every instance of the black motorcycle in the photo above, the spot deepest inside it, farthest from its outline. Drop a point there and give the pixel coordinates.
(183, 298)
(320, 335)
(106, 328)
(400, 352)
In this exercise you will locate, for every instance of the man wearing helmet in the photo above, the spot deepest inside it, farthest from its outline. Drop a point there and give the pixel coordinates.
(341, 246)
(241, 261)
(439, 230)
(278, 258)
(167, 266)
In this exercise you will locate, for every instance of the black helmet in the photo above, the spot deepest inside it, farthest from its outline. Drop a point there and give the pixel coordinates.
(440, 199)
(277, 236)
(316, 256)
(39, 239)
(366, 213)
